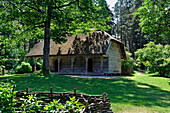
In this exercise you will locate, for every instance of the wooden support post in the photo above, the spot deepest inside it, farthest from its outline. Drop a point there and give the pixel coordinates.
(35, 61)
(87, 65)
(3, 70)
(101, 64)
(72, 64)
(59, 64)
(51, 93)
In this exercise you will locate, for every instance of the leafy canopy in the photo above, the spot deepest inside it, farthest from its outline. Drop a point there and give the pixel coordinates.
(154, 20)
(157, 57)
(67, 16)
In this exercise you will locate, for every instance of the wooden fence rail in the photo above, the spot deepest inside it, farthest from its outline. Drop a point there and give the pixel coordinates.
(93, 103)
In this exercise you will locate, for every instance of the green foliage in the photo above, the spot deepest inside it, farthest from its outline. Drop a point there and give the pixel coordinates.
(71, 105)
(127, 64)
(126, 93)
(31, 104)
(39, 62)
(7, 98)
(11, 52)
(154, 17)
(155, 57)
(126, 26)
(30, 60)
(24, 68)
(9, 63)
(53, 19)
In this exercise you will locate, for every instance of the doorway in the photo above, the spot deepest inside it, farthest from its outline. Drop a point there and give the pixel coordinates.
(56, 65)
(90, 65)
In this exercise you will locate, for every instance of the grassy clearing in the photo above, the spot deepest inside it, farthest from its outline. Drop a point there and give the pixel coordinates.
(139, 93)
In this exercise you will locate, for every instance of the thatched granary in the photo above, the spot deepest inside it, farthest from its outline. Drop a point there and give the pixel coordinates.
(96, 53)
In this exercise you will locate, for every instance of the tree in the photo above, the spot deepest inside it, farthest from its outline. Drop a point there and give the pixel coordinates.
(155, 57)
(127, 27)
(154, 20)
(54, 18)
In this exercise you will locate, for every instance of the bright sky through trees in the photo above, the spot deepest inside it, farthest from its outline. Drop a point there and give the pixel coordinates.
(111, 3)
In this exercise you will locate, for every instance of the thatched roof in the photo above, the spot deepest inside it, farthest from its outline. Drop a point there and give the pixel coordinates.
(94, 43)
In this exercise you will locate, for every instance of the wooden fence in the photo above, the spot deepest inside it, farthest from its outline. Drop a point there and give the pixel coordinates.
(93, 103)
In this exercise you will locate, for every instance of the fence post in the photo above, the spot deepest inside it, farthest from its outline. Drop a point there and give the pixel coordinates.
(104, 97)
(51, 93)
(74, 91)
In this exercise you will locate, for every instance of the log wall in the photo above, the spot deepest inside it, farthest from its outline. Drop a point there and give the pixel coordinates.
(92, 103)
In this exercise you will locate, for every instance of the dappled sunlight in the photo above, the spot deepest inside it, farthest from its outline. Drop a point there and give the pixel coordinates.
(143, 86)
(120, 90)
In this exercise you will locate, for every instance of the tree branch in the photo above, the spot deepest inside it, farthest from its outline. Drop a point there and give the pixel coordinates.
(13, 4)
(38, 7)
(81, 9)
(39, 10)
(56, 7)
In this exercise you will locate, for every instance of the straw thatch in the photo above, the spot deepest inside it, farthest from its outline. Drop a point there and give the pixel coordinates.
(94, 43)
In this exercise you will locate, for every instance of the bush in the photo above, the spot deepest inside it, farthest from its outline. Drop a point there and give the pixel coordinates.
(24, 68)
(127, 64)
(7, 98)
(155, 57)
(70, 106)
(9, 63)
(39, 62)
(31, 104)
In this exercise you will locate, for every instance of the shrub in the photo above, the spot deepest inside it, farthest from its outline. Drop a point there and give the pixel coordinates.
(24, 68)
(39, 62)
(127, 64)
(30, 60)
(70, 106)
(155, 57)
(9, 63)
(7, 98)
(31, 104)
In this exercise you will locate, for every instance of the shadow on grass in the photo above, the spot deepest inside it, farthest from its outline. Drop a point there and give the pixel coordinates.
(120, 90)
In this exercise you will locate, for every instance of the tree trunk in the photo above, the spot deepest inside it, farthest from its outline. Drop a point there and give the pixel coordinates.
(25, 46)
(46, 49)
(140, 40)
(131, 44)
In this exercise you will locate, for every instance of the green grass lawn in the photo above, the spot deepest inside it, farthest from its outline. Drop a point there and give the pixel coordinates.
(139, 93)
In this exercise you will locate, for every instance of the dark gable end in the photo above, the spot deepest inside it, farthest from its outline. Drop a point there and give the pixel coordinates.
(91, 44)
